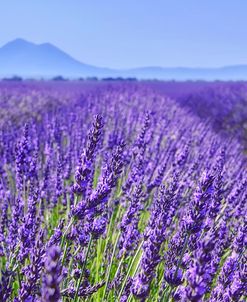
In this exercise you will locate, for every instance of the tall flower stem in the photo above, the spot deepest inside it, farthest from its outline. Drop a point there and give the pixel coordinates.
(66, 231)
(110, 267)
(82, 270)
(129, 270)
(165, 298)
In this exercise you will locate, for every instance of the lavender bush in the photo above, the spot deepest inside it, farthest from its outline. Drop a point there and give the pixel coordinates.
(115, 192)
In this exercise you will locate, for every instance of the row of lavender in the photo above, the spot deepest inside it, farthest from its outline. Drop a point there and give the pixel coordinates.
(116, 194)
(224, 103)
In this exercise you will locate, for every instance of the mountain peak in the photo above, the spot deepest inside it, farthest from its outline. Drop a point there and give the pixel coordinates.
(27, 59)
(22, 44)
(19, 42)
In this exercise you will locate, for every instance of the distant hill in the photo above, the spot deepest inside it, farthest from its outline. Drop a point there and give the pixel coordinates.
(26, 59)
(236, 72)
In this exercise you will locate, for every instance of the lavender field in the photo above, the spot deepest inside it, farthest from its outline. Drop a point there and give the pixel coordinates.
(123, 191)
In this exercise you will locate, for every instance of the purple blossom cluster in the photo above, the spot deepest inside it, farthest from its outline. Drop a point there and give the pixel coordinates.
(117, 192)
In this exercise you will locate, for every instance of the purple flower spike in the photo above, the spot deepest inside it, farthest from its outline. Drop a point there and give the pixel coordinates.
(52, 278)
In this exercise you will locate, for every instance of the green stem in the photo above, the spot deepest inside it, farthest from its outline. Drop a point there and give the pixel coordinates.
(118, 211)
(72, 220)
(168, 294)
(65, 251)
(109, 270)
(164, 293)
(129, 270)
(119, 266)
(12, 258)
(136, 269)
(82, 271)
(66, 231)
(19, 277)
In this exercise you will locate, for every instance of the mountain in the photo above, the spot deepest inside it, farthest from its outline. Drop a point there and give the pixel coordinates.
(22, 58)
(26, 59)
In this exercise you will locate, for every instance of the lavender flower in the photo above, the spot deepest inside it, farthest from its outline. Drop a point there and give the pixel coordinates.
(52, 278)
(198, 207)
(198, 275)
(85, 169)
(152, 245)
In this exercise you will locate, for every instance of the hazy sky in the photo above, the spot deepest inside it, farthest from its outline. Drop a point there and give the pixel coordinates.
(133, 33)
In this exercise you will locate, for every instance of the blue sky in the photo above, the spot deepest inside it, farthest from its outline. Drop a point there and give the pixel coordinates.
(133, 33)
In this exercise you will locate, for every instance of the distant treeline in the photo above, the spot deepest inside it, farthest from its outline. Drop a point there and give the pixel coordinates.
(14, 79)
(61, 78)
